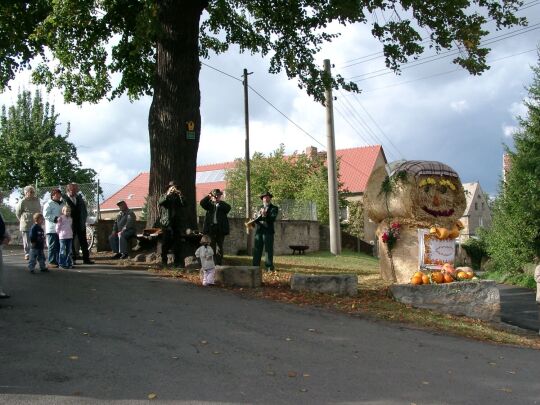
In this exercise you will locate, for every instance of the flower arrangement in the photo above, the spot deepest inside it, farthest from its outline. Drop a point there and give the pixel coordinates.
(391, 235)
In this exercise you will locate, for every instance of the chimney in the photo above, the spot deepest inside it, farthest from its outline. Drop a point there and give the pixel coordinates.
(311, 152)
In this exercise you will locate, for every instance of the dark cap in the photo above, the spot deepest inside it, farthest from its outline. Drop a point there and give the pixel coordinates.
(120, 202)
(266, 194)
(172, 184)
(215, 192)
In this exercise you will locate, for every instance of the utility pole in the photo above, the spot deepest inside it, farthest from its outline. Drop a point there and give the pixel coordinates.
(335, 232)
(248, 175)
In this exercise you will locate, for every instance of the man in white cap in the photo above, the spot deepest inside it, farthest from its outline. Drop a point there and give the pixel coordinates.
(123, 231)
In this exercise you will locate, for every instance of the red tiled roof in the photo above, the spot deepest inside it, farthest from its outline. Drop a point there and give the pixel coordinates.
(355, 168)
(356, 165)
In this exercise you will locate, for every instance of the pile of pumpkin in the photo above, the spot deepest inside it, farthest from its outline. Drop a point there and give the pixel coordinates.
(447, 274)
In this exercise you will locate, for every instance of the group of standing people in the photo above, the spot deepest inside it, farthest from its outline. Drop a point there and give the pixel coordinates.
(64, 221)
(215, 228)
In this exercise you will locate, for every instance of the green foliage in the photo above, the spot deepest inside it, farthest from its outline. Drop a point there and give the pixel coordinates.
(8, 214)
(297, 177)
(30, 149)
(356, 219)
(514, 238)
(476, 249)
(78, 35)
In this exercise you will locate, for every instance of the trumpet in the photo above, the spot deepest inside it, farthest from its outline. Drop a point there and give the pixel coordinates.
(251, 224)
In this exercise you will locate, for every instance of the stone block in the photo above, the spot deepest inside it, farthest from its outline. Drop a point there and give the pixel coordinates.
(340, 284)
(152, 258)
(141, 257)
(239, 276)
(475, 299)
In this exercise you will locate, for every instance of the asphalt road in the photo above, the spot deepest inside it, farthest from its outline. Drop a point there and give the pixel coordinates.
(96, 335)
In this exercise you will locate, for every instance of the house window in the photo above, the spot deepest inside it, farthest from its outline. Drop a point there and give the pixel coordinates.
(482, 206)
(476, 206)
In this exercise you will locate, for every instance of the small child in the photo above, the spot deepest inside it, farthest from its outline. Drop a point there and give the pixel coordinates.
(37, 243)
(206, 254)
(65, 235)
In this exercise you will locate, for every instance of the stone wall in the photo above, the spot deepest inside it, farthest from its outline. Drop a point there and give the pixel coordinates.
(287, 233)
(16, 236)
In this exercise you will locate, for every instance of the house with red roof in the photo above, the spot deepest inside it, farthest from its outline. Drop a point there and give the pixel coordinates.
(356, 165)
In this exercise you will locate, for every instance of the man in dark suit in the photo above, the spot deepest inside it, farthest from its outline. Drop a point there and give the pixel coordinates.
(264, 232)
(79, 212)
(173, 224)
(216, 223)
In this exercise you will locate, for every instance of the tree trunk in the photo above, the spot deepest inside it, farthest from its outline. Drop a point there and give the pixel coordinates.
(176, 103)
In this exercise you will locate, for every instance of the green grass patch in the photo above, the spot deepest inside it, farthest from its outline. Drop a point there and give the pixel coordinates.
(521, 279)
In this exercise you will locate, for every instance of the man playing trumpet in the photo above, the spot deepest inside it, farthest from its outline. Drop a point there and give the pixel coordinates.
(264, 232)
(216, 223)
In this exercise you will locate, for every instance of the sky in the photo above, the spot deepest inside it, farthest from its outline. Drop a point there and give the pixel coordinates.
(433, 110)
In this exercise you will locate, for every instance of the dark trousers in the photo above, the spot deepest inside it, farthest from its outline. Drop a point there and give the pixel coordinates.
(217, 244)
(53, 248)
(173, 239)
(80, 235)
(266, 241)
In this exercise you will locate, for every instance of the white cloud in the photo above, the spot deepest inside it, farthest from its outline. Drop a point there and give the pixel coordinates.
(509, 130)
(459, 106)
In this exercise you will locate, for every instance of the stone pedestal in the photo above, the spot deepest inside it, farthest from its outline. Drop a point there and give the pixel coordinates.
(239, 276)
(340, 284)
(475, 299)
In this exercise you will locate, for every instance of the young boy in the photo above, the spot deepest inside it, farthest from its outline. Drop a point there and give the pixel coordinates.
(37, 243)
(206, 254)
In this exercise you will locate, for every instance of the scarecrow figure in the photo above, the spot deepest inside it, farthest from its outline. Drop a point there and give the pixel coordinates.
(417, 206)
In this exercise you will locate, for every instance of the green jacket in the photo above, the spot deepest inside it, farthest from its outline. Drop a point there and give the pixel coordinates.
(266, 224)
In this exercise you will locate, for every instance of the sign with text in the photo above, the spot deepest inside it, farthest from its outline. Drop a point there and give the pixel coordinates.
(435, 252)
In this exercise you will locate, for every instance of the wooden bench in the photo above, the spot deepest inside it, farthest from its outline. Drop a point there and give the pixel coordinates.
(301, 249)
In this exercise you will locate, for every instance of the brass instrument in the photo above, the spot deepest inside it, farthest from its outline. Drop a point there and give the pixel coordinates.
(251, 223)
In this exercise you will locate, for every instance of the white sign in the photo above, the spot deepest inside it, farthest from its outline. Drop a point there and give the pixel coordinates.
(435, 252)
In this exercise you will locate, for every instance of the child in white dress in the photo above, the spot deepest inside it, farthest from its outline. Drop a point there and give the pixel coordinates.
(206, 255)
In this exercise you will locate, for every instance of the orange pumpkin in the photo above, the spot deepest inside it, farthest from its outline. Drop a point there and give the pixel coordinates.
(425, 279)
(418, 274)
(437, 277)
(461, 275)
(469, 274)
(448, 278)
(416, 280)
(448, 268)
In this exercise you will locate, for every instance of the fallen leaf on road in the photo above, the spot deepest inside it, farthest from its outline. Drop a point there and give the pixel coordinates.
(425, 382)
(511, 372)
(270, 373)
(74, 357)
(305, 375)
(303, 390)
(216, 352)
(311, 330)
(505, 389)
(291, 374)
(152, 396)
(85, 333)
(204, 342)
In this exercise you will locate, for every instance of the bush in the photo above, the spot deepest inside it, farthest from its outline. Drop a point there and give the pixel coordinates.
(476, 249)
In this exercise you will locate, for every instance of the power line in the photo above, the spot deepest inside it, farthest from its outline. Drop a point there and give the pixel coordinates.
(443, 55)
(380, 54)
(285, 116)
(442, 73)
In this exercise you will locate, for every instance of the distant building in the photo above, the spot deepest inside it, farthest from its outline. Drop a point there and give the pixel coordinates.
(507, 164)
(478, 212)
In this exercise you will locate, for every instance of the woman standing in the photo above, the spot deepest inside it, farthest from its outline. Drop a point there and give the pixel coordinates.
(26, 208)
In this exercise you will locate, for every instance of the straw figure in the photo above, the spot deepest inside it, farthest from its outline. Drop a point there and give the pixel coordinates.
(413, 202)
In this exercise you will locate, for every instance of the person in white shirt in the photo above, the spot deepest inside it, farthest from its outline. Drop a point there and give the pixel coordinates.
(206, 255)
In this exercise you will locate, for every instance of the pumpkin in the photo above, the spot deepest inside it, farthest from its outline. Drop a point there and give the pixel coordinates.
(448, 268)
(425, 279)
(418, 274)
(416, 280)
(448, 278)
(437, 277)
(461, 275)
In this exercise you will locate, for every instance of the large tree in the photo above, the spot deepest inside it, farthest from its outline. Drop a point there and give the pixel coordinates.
(105, 48)
(514, 237)
(30, 149)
